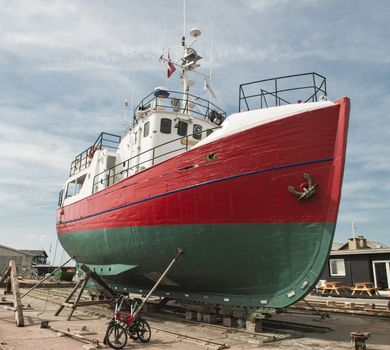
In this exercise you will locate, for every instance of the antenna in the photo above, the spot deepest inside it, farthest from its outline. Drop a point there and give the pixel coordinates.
(184, 19)
(195, 33)
(211, 55)
(126, 106)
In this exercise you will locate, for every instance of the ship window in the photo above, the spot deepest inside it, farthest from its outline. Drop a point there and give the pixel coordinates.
(197, 132)
(165, 126)
(60, 195)
(70, 189)
(75, 186)
(182, 128)
(146, 129)
(337, 267)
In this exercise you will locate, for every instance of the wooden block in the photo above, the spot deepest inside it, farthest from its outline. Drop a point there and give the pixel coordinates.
(369, 306)
(349, 305)
(209, 318)
(150, 308)
(190, 315)
(229, 321)
(239, 313)
(255, 326)
(330, 303)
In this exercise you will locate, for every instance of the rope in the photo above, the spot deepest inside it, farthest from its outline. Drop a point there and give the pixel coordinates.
(48, 290)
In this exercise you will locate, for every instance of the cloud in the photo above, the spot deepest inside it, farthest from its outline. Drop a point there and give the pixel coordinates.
(66, 68)
(263, 5)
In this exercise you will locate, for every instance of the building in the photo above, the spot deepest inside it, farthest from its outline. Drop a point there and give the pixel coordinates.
(40, 262)
(23, 259)
(40, 256)
(359, 260)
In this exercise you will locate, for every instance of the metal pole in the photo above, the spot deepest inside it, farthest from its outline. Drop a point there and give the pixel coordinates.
(40, 282)
(314, 309)
(179, 252)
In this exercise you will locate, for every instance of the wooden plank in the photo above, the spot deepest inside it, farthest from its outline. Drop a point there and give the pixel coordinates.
(16, 294)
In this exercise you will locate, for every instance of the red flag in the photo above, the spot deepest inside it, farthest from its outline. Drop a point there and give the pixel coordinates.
(171, 67)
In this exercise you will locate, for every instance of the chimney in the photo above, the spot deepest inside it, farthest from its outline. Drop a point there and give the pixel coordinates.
(358, 242)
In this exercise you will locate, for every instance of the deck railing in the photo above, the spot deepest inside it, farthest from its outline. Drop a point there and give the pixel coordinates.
(124, 169)
(173, 101)
(306, 87)
(83, 160)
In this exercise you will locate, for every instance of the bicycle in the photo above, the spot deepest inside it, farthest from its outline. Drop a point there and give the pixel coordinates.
(124, 324)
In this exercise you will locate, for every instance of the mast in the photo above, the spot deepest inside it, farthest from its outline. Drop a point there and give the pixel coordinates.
(188, 60)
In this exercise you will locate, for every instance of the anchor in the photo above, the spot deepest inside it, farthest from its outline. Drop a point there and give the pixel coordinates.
(308, 189)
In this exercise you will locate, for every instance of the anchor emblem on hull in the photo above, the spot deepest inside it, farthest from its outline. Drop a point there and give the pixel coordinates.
(306, 189)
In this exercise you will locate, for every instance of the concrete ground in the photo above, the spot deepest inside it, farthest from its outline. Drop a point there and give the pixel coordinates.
(171, 334)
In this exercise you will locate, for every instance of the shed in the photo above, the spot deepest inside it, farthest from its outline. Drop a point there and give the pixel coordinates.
(22, 259)
(40, 256)
(359, 260)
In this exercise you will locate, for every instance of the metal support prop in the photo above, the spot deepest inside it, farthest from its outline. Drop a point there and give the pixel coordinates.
(51, 274)
(137, 311)
(315, 310)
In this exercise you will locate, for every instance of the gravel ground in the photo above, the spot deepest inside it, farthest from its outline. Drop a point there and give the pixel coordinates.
(181, 334)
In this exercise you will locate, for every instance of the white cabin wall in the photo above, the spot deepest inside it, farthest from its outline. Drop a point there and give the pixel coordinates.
(135, 152)
(146, 142)
(123, 154)
(87, 188)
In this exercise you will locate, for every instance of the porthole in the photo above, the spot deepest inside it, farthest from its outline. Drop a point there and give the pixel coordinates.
(197, 131)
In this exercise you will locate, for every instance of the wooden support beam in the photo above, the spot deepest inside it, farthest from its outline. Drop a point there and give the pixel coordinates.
(92, 274)
(82, 284)
(67, 300)
(16, 294)
(5, 275)
(75, 304)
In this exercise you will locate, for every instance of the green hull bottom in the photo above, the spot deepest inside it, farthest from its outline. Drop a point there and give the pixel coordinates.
(252, 265)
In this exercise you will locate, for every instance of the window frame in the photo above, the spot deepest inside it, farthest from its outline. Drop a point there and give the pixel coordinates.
(146, 129)
(336, 273)
(180, 130)
(164, 131)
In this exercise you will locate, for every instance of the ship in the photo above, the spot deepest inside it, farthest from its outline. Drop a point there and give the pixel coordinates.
(252, 198)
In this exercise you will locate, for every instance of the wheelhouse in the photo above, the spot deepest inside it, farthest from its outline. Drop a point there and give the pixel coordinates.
(165, 123)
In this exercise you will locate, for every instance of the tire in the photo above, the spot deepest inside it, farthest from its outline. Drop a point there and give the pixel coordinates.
(143, 331)
(116, 336)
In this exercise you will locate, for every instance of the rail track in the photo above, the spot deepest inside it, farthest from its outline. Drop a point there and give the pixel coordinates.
(171, 320)
(366, 308)
(183, 329)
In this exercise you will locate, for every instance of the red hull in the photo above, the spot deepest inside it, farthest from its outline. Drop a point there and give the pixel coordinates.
(246, 183)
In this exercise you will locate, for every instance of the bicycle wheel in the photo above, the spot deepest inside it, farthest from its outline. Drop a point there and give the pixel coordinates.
(116, 336)
(143, 331)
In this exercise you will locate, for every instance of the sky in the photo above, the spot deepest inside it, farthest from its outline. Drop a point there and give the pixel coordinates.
(67, 66)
